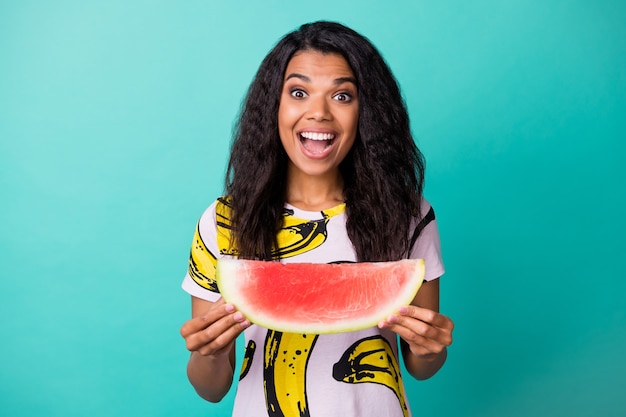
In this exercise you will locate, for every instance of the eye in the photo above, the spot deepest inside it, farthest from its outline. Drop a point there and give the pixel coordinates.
(297, 93)
(343, 97)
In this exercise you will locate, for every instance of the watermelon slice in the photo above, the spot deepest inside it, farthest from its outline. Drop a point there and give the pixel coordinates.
(318, 298)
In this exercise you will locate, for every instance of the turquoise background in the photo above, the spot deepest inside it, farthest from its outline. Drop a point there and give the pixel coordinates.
(115, 120)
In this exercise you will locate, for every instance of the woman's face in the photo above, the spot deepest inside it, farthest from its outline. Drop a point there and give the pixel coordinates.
(318, 113)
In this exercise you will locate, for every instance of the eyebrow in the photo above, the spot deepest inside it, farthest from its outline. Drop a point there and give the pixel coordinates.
(336, 81)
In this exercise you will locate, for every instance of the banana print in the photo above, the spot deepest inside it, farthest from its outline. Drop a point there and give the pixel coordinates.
(202, 263)
(371, 360)
(224, 227)
(247, 359)
(285, 362)
(296, 236)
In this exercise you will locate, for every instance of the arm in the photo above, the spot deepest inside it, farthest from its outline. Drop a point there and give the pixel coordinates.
(424, 333)
(210, 336)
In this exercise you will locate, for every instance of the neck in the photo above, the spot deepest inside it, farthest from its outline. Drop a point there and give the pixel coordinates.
(313, 193)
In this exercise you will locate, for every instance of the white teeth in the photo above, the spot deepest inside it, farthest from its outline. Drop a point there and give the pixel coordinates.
(317, 136)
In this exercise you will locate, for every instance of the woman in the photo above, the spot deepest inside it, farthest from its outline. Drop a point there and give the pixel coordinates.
(323, 168)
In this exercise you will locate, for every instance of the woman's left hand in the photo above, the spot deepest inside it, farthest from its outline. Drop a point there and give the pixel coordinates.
(426, 332)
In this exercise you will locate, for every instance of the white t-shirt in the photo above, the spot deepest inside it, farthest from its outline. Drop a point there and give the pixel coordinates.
(284, 374)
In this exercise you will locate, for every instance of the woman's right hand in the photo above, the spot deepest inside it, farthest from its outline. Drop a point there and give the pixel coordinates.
(214, 327)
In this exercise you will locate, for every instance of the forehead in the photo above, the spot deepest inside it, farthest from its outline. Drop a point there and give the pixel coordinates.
(314, 63)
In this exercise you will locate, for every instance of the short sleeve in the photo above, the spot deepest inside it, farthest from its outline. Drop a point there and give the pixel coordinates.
(200, 280)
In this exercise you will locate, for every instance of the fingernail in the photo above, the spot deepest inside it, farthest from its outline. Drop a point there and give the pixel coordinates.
(238, 316)
(229, 308)
(245, 324)
(392, 319)
(382, 324)
(403, 310)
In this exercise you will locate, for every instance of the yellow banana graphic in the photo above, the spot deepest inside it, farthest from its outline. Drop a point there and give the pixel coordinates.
(299, 237)
(284, 372)
(371, 360)
(202, 263)
(224, 227)
(247, 359)
(295, 236)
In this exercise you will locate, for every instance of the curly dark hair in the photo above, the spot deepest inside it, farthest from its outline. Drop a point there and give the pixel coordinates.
(383, 173)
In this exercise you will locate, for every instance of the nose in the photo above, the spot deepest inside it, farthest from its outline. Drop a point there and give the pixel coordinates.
(319, 109)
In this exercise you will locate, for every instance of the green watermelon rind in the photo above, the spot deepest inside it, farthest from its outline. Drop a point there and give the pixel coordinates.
(228, 267)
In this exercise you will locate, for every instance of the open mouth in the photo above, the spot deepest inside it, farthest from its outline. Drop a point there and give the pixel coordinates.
(315, 142)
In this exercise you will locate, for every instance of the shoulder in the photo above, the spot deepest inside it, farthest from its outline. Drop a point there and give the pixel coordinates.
(425, 207)
(426, 216)
(219, 207)
(425, 242)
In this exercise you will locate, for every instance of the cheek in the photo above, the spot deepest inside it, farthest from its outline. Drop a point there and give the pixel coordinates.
(351, 122)
(286, 118)
(285, 128)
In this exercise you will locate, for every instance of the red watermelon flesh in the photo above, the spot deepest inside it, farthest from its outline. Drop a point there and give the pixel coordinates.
(318, 298)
